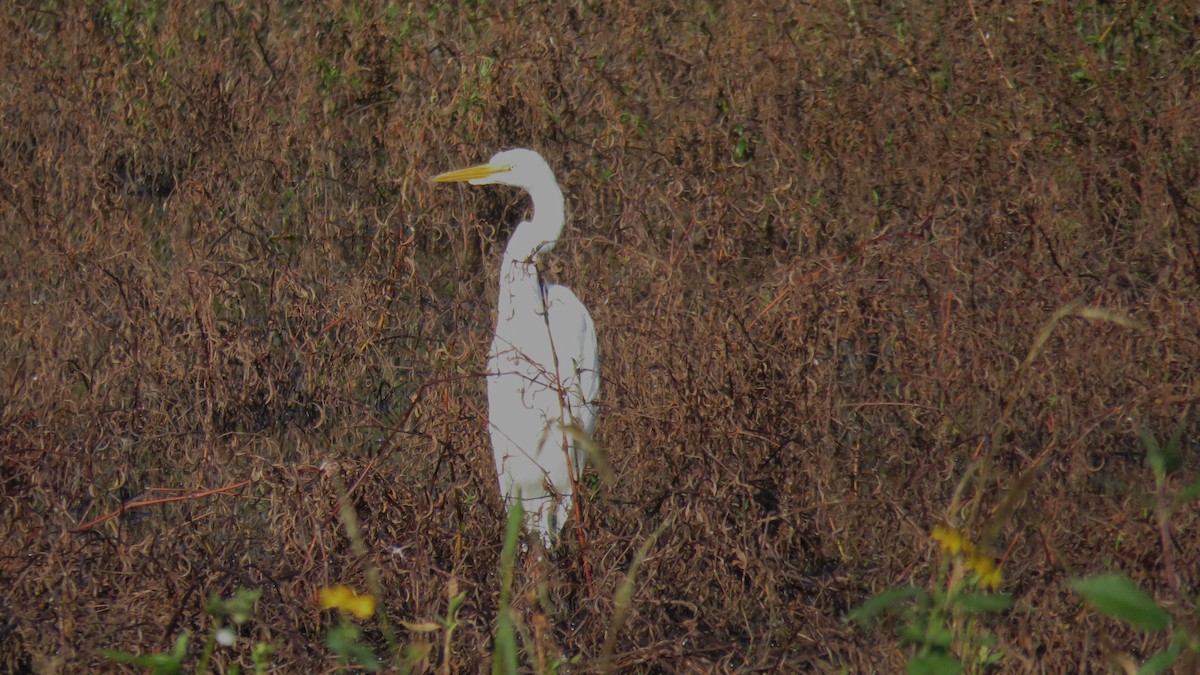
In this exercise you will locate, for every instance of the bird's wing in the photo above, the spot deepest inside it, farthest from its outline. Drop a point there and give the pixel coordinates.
(574, 337)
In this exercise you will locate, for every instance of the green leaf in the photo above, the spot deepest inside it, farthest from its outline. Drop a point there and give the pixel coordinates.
(414, 654)
(343, 641)
(1118, 597)
(989, 656)
(423, 627)
(1166, 459)
(1175, 442)
(455, 603)
(260, 655)
(912, 633)
(116, 655)
(1187, 494)
(983, 602)
(929, 631)
(1163, 660)
(239, 608)
(941, 637)
(159, 664)
(1154, 454)
(865, 613)
(180, 651)
(933, 664)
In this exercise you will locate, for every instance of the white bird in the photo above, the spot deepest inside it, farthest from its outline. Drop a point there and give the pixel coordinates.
(543, 370)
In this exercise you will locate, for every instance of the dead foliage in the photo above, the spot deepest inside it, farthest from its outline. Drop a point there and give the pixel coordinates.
(818, 242)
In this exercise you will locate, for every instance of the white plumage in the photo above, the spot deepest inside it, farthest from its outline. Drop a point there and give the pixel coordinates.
(543, 368)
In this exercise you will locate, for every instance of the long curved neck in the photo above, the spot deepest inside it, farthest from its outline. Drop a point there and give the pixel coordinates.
(520, 287)
(538, 234)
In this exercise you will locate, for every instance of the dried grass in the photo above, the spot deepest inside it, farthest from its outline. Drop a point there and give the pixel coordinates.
(817, 243)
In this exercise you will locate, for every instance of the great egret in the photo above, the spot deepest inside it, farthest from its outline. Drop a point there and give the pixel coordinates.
(543, 371)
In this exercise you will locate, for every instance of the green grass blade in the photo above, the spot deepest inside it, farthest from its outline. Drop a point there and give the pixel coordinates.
(624, 599)
(504, 656)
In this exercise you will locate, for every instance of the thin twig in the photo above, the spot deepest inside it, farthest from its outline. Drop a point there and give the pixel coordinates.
(151, 502)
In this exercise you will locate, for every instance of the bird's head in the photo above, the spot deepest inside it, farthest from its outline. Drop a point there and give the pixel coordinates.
(519, 168)
(527, 170)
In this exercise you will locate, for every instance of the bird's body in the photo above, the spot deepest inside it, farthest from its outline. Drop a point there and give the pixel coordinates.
(543, 368)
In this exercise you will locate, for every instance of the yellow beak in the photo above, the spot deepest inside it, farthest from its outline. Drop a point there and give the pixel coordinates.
(471, 173)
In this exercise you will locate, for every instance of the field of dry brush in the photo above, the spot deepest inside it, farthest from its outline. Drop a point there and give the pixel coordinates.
(858, 270)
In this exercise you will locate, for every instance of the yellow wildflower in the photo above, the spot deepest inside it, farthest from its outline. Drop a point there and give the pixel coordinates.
(986, 569)
(991, 579)
(344, 598)
(952, 541)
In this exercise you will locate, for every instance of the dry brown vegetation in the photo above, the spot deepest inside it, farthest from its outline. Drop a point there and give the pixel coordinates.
(818, 242)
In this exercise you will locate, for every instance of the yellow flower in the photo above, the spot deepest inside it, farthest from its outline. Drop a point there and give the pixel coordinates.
(986, 569)
(344, 598)
(952, 541)
(991, 579)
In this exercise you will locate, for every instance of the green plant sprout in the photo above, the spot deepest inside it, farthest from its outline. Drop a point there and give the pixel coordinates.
(1117, 596)
(941, 625)
(227, 615)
